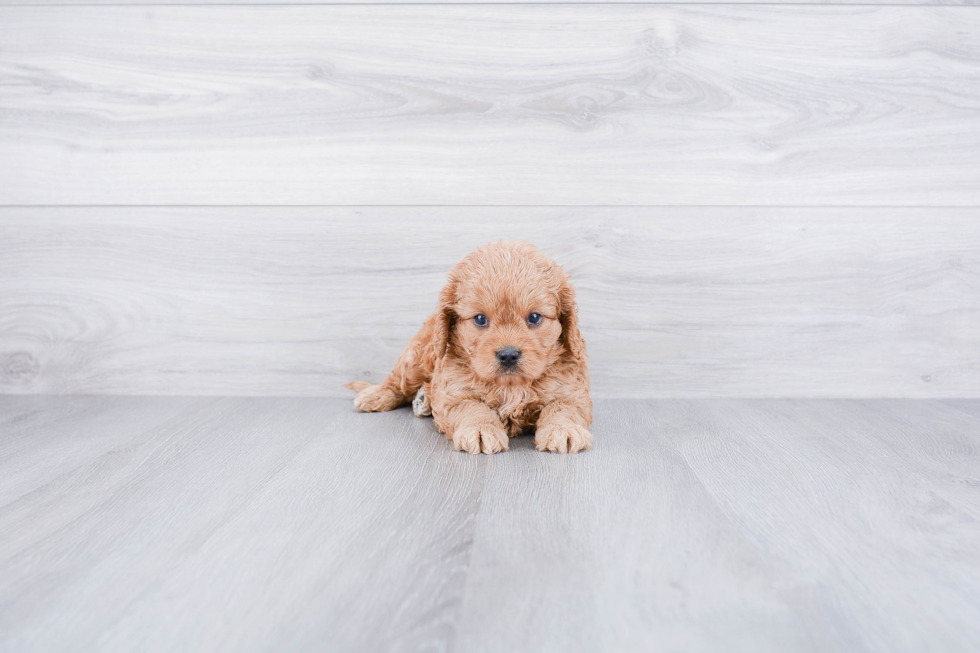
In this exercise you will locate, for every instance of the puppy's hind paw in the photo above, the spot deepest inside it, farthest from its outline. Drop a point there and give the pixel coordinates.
(421, 405)
(375, 398)
(481, 438)
(562, 437)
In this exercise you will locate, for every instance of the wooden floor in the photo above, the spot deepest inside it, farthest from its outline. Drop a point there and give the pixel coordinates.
(238, 524)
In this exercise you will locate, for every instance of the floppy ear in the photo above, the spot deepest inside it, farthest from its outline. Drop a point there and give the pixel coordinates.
(568, 316)
(447, 316)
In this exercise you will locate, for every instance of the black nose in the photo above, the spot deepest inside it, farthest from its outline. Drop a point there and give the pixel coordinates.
(508, 356)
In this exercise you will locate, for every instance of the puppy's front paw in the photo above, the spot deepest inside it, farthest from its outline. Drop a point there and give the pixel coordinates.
(484, 437)
(376, 398)
(562, 437)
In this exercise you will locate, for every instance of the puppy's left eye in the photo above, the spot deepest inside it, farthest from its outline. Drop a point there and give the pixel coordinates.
(534, 319)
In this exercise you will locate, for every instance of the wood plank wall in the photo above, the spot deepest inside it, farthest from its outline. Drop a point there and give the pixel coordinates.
(754, 200)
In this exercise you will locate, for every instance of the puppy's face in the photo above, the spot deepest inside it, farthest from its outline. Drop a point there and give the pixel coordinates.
(508, 324)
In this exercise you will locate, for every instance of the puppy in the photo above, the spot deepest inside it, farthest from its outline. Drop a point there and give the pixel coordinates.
(501, 356)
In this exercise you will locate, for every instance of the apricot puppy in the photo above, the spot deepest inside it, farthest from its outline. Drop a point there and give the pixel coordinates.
(502, 355)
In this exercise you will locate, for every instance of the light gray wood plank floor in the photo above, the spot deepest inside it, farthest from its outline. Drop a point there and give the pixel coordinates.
(243, 524)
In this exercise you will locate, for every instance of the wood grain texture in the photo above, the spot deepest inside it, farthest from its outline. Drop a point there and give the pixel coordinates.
(41, 446)
(246, 524)
(968, 406)
(673, 302)
(501, 105)
(806, 523)
(224, 504)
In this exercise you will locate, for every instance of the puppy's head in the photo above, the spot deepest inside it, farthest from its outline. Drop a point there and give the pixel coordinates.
(510, 313)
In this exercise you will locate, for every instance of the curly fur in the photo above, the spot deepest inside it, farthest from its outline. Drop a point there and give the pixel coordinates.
(476, 402)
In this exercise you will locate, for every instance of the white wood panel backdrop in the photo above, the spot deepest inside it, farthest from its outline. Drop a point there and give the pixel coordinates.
(490, 105)
(674, 301)
(471, 104)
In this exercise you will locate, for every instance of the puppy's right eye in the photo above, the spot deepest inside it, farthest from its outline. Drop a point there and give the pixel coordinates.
(481, 320)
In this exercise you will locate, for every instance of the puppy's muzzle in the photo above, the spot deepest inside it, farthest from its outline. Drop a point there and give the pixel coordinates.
(508, 356)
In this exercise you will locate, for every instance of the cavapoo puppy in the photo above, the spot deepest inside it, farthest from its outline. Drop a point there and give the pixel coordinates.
(502, 355)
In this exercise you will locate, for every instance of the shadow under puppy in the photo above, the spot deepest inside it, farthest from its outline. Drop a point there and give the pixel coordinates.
(501, 356)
